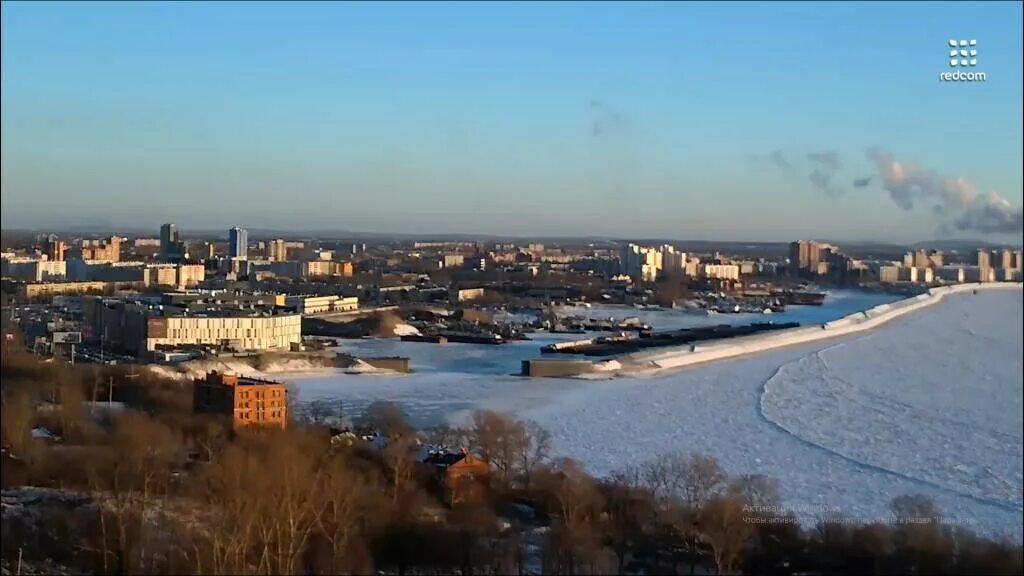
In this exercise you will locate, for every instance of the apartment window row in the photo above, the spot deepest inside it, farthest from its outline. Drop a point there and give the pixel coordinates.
(275, 393)
(260, 404)
(261, 415)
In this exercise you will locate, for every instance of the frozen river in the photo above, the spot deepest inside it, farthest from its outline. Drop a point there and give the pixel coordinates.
(449, 378)
(929, 403)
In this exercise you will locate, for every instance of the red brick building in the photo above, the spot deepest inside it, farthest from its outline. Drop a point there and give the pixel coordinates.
(248, 401)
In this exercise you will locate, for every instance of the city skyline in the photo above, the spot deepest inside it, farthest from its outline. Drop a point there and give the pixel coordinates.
(607, 120)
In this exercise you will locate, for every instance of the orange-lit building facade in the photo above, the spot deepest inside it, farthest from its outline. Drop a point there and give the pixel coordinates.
(248, 401)
(107, 249)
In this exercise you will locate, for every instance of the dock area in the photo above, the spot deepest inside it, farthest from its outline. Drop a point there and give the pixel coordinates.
(625, 344)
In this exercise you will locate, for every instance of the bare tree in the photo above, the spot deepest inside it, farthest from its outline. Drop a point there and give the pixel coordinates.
(700, 478)
(534, 449)
(693, 479)
(400, 457)
(914, 508)
(351, 505)
(630, 514)
(498, 439)
(761, 492)
(513, 448)
(726, 527)
(209, 434)
(447, 437)
(577, 505)
(386, 418)
(16, 422)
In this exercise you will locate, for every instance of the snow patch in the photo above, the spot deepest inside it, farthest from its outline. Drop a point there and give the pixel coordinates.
(362, 367)
(406, 330)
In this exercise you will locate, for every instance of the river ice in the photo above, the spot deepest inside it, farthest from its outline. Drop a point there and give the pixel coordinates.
(929, 403)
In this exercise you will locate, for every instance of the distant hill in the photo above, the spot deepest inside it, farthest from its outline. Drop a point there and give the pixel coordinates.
(963, 245)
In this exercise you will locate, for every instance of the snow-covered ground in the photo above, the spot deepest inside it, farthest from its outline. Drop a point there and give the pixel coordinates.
(929, 403)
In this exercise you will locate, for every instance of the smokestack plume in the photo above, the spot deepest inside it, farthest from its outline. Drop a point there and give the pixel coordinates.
(953, 198)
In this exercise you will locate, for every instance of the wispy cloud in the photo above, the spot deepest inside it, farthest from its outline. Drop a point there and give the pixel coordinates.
(821, 171)
(604, 119)
(827, 163)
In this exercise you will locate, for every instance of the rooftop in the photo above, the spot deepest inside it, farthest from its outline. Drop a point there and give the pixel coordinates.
(241, 380)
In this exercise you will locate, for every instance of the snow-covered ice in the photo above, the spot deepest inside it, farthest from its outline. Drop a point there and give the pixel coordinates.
(406, 330)
(928, 403)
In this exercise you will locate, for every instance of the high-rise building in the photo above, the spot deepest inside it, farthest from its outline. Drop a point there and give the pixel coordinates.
(238, 243)
(673, 263)
(921, 259)
(168, 235)
(641, 263)
(984, 259)
(908, 260)
(798, 255)
(985, 272)
(55, 249)
(804, 255)
(171, 246)
(277, 250)
(1005, 260)
(107, 249)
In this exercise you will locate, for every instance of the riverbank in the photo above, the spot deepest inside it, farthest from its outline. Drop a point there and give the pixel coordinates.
(256, 365)
(683, 356)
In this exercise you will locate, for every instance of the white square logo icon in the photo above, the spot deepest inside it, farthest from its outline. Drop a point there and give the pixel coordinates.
(963, 53)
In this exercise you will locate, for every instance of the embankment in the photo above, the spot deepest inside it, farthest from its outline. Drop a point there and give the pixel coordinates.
(256, 365)
(856, 322)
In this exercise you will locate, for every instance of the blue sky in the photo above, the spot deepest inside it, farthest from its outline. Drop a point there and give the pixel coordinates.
(684, 120)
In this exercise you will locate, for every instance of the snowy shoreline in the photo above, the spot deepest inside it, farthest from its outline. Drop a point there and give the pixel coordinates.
(689, 355)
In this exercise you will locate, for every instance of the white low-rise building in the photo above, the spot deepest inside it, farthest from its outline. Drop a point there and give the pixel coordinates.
(33, 269)
(262, 332)
(322, 304)
(721, 271)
